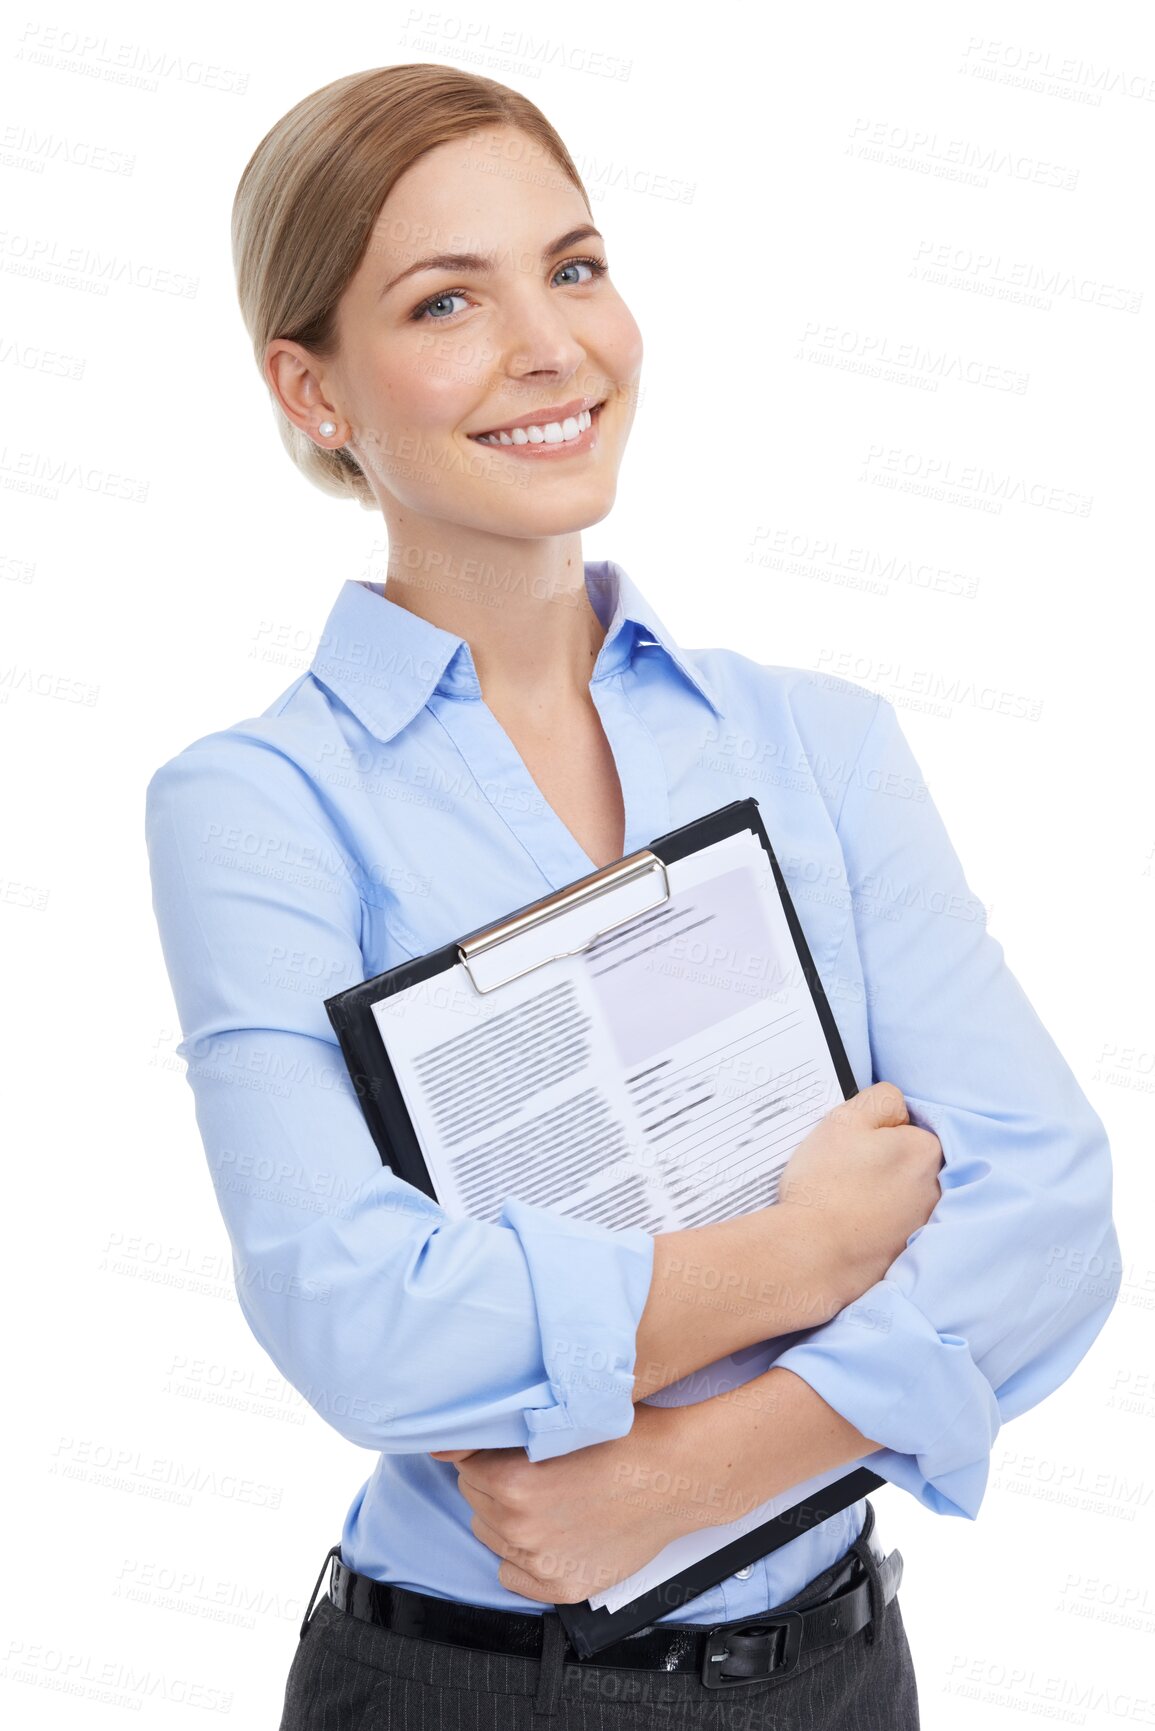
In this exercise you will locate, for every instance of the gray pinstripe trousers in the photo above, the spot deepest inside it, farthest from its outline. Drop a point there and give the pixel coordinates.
(348, 1675)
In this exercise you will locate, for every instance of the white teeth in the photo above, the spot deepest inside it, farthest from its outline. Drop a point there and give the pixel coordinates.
(552, 433)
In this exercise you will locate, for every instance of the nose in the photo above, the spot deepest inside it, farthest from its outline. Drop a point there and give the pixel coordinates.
(541, 341)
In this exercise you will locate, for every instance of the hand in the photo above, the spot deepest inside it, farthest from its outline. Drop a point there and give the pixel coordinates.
(575, 1525)
(862, 1181)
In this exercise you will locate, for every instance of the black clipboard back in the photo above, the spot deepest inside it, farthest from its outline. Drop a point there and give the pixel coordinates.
(382, 1103)
(589, 1630)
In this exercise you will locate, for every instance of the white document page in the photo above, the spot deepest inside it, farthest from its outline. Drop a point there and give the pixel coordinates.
(661, 1078)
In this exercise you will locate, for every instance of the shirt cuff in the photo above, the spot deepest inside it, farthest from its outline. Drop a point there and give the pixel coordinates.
(590, 1287)
(882, 1365)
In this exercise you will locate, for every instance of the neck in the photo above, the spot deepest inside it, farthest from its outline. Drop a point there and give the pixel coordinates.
(522, 606)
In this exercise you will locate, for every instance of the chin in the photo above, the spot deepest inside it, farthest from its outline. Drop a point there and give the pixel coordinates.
(565, 520)
(527, 512)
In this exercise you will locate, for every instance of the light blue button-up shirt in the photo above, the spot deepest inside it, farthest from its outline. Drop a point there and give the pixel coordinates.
(377, 810)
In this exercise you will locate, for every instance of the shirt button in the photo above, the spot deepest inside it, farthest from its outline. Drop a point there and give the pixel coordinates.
(744, 1574)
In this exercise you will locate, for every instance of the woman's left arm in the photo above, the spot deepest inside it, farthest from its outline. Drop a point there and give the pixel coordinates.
(997, 1298)
(988, 1309)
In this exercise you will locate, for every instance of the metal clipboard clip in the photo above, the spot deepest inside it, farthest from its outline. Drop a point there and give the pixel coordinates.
(542, 933)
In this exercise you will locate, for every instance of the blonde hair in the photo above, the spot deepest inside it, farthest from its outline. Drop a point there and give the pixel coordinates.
(306, 204)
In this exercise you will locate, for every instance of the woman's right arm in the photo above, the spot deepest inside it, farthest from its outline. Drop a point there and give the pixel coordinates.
(405, 1330)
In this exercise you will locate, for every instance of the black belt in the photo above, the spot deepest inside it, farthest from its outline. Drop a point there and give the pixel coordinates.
(739, 1652)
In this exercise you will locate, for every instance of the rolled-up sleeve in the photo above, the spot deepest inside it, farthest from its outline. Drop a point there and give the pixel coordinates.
(406, 1330)
(994, 1300)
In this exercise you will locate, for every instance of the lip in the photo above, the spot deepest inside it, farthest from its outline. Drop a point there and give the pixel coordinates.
(542, 417)
(545, 453)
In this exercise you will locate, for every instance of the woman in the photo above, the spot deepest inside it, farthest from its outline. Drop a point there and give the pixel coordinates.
(430, 305)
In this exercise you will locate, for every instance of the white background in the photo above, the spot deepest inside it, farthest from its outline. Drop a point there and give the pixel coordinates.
(818, 153)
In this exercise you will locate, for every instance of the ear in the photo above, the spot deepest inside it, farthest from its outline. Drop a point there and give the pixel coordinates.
(292, 378)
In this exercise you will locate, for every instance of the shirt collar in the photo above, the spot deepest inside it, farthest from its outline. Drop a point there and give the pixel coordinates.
(385, 662)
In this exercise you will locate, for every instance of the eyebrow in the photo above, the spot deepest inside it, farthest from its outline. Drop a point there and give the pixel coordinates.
(478, 261)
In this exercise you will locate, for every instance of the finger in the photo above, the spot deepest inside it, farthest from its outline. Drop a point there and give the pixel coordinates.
(493, 1538)
(486, 1462)
(519, 1581)
(530, 1586)
(481, 1500)
(487, 1473)
(451, 1454)
(886, 1104)
(881, 1106)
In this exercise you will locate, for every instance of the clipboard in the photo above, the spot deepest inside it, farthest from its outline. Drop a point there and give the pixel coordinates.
(552, 927)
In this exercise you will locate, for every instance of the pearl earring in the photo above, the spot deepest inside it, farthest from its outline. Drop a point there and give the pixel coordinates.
(327, 429)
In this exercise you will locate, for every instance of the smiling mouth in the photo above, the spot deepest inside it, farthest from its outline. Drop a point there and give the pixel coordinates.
(548, 433)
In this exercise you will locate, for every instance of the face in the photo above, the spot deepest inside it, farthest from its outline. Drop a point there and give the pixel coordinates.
(445, 362)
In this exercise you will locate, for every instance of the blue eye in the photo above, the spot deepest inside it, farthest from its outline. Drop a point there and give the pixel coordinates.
(435, 300)
(597, 267)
